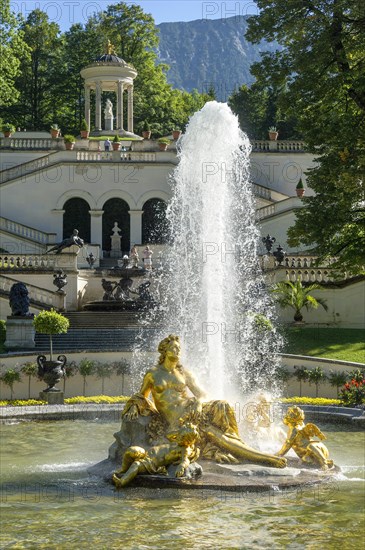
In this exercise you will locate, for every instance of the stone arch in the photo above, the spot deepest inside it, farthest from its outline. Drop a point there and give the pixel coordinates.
(116, 210)
(76, 193)
(157, 194)
(154, 222)
(77, 216)
(116, 194)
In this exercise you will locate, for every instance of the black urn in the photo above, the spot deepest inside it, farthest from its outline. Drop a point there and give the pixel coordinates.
(51, 371)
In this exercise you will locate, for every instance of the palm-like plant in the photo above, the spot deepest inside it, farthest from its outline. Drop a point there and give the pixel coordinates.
(297, 296)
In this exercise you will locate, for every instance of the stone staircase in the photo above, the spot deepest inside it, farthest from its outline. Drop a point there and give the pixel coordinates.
(98, 331)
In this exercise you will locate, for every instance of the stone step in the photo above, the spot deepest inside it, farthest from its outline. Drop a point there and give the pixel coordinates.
(112, 319)
(94, 339)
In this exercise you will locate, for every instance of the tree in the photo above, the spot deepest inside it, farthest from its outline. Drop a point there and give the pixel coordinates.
(51, 322)
(316, 376)
(30, 369)
(103, 371)
(122, 368)
(302, 375)
(297, 296)
(9, 378)
(337, 379)
(320, 77)
(37, 106)
(13, 51)
(70, 370)
(86, 368)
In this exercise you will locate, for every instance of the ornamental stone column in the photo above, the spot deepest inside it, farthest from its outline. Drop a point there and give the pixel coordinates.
(98, 106)
(96, 227)
(120, 90)
(87, 105)
(136, 226)
(130, 109)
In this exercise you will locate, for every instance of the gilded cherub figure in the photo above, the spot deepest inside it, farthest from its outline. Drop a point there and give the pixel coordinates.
(180, 451)
(300, 439)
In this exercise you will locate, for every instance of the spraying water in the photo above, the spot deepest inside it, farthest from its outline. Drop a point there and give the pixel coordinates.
(213, 292)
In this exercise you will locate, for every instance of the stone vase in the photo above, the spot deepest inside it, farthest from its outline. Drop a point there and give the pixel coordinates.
(51, 371)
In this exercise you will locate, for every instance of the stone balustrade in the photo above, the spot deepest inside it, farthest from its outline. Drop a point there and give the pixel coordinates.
(287, 146)
(115, 156)
(23, 169)
(32, 143)
(265, 211)
(28, 261)
(38, 262)
(317, 275)
(279, 207)
(27, 232)
(295, 267)
(262, 192)
(36, 294)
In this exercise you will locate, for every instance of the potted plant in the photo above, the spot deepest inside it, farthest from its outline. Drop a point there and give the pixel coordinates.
(163, 143)
(273, 133)
(84, 129)
(51, 322)
(55, 131)
(8, 129)
(300, 188)
(69, 141)
(297, 296)
(176, 133)
(146, 132)
(116, 143)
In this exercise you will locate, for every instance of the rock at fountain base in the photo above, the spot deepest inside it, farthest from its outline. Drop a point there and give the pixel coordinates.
(224, 477)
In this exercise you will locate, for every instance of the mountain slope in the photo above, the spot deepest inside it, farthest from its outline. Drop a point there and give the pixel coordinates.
(205, 52)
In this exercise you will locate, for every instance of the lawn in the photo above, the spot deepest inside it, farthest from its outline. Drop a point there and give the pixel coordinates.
(332, 343)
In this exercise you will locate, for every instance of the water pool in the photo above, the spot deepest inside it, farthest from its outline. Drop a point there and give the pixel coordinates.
(49, 501)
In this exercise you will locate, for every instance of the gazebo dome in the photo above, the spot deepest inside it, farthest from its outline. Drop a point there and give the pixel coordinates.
(110, 58)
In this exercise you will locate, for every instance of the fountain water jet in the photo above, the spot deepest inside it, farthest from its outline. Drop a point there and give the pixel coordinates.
(213, 287)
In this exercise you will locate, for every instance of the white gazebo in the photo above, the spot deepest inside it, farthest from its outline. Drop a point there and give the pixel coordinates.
(109, 73)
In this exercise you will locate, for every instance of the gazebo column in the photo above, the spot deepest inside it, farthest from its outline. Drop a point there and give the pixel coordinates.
(87, 105)
(120, 90)
(96, 227)
(136, 226)
(98, 106)
(130, 109)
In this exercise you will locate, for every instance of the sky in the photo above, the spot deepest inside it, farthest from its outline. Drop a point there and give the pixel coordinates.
(67, 12)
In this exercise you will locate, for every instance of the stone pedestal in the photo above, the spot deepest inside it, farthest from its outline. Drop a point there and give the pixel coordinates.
(19, 333)
(52, 397)
(115, 251)
(109, 124)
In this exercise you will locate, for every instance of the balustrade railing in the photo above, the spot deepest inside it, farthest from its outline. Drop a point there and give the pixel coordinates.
(30, 261)
(32, 143)
(27, 232)
(265, 211)
(262, 192)
(23, 169)
(288, 146)
(317, 275)
(115, 156)
(35, 293)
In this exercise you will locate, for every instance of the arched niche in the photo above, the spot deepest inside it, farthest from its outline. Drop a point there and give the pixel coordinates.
(76, 216)
(154, 222)
(116, 210)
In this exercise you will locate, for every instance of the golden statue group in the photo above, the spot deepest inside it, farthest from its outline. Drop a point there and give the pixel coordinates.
(177, 426)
